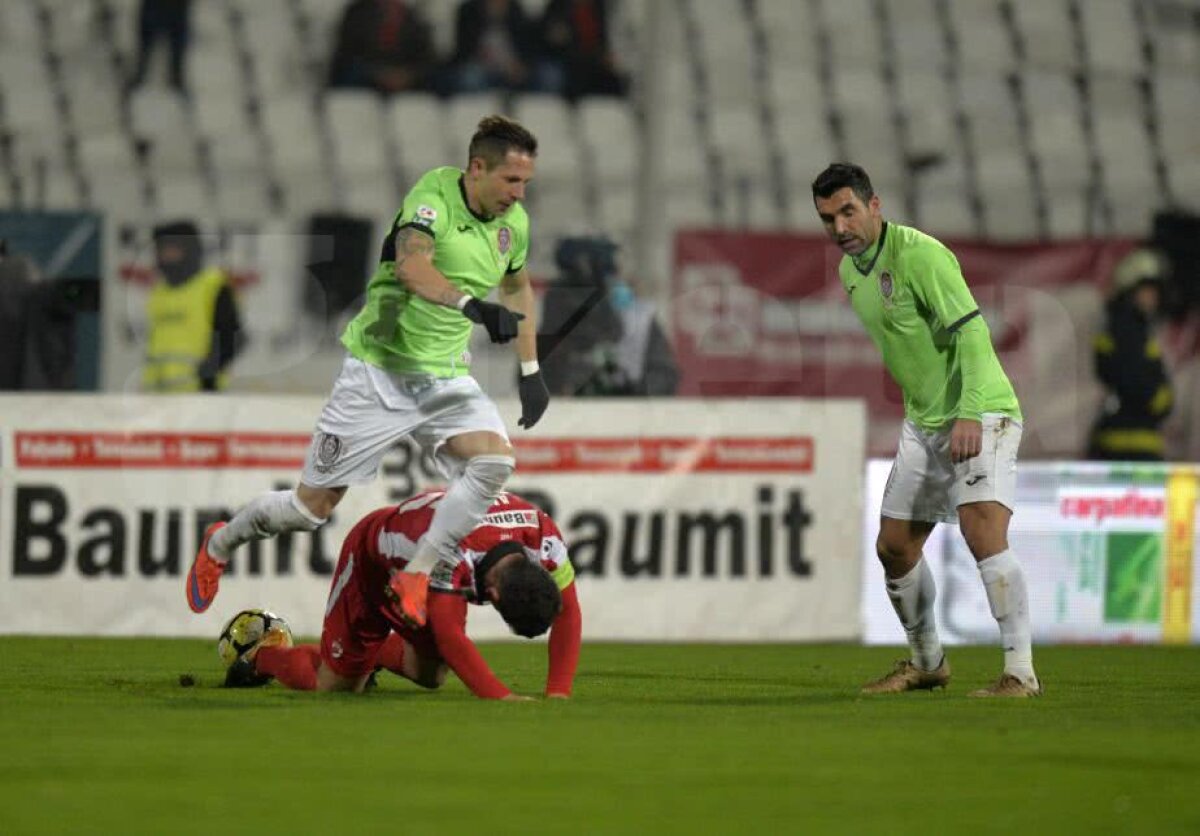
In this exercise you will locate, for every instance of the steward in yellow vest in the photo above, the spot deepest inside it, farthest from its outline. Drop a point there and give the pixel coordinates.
(192, 317)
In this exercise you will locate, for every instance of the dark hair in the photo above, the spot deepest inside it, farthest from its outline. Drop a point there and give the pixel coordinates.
(529, 599)
(496, 136)
(841, 175)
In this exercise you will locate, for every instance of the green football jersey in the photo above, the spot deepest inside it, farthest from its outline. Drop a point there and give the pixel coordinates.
(396, 329)
(910, 294)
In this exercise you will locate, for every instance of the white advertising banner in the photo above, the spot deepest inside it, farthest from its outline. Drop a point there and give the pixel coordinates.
(1107, 552)
(686, 519)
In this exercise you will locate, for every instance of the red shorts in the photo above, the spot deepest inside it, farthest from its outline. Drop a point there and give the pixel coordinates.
(355, 626)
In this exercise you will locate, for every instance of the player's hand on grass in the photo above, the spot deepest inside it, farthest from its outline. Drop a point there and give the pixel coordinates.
(535, 397)
(558, 696)
(517, 698)
(500, 322)
(966, 440)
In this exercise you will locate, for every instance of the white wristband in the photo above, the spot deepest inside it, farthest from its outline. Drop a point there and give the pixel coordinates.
(462, 303)
(528, 367)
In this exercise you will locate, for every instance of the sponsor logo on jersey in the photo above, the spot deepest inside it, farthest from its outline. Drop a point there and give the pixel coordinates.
(504, 240)
(511, 519)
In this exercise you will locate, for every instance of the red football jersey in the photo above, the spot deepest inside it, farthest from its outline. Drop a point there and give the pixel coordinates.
(388, 539)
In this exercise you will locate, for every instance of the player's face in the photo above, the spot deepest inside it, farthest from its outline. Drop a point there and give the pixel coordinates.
(497, 189)
(850, 222)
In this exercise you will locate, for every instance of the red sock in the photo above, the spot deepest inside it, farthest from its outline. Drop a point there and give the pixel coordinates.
(295, 667)
(391, 654)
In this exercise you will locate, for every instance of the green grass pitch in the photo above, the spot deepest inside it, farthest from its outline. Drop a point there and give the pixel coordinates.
(98, 736)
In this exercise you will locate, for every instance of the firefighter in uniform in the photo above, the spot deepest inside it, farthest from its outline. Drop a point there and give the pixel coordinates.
(1129, 364)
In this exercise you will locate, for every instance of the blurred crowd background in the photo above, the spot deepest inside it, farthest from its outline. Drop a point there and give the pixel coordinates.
(251, 153)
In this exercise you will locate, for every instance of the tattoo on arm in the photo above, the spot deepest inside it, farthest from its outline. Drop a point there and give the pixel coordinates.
(409, 243)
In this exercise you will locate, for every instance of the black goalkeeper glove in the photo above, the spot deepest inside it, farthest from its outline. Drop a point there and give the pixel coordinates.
(535, 397)
(500, 322)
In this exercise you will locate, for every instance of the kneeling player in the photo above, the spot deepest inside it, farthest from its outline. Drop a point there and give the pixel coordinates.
(515, 559)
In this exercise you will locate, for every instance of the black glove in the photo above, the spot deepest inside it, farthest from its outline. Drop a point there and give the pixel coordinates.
(500, 322)
(535, 397)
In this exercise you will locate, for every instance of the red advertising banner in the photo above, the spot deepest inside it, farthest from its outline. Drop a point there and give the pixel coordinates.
(765, 314)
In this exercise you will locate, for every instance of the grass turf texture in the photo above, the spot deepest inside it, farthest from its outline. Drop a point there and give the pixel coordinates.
(98, 736)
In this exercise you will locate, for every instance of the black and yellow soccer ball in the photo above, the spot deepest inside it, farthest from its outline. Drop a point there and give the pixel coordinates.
(245, 630)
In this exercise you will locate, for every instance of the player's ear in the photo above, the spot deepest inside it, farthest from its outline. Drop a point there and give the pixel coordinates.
(493, 593)
(874, 203)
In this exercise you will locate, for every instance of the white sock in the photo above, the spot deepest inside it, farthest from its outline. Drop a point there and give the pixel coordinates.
(912, 597)
(1004, 581)
(268, 515)
(460, 510)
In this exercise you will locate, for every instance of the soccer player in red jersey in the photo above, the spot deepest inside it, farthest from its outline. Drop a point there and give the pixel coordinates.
(515, 559)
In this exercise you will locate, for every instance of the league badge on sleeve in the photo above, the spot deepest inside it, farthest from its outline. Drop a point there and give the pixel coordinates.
(425, 216)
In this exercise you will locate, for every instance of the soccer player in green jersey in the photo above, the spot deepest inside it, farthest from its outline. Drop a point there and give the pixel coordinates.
(458, 235)
(956, 460)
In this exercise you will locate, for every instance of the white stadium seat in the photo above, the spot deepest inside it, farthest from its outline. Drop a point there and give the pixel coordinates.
(356, 121)
(417, 122)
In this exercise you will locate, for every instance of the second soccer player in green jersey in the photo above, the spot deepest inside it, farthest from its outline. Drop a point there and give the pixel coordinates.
(458, 235)
(956, 459)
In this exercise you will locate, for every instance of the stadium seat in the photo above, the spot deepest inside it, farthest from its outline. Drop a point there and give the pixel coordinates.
(271, 39)
(462, 116)
(1177, 99)
(724, 47)
(212, 66)
(293, 134)
(356, 123)
(942, 200)
(161, 118)
(1048, 35)
(920, 43)
(95, 98)
(417, 122)
(610, 136)
(552, 121)
(27, 97)
(1124, 148)
(984, 44)
(1056, 133)
(1112, 37)
(183, 194)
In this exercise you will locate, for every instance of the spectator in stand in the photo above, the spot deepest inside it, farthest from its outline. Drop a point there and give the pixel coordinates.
(1129, 364)
(597, 337)
(168, 20)
(576, 38)
(497, 48)
(383, 45)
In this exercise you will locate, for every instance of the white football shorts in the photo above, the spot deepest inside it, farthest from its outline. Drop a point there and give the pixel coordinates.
(925, 485)
(370, 409)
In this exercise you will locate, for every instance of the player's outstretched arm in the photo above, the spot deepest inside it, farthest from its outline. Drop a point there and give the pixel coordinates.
(448, 621)
(566, 633)
(516, 294)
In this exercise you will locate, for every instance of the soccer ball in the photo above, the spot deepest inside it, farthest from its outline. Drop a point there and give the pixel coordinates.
(244, 631)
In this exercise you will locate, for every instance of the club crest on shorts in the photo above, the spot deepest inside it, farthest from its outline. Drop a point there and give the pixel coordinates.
(886, 286)
(504, 240)
(329, 450)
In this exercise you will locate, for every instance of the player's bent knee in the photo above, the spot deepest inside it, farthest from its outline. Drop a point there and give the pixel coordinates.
(490, 471)
(316, 504)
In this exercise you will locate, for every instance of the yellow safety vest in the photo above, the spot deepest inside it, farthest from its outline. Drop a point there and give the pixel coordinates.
(180, 322)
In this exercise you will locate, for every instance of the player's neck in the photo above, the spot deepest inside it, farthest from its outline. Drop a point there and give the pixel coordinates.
(865, 260)
(472, 200)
